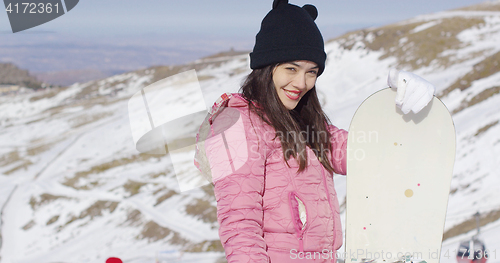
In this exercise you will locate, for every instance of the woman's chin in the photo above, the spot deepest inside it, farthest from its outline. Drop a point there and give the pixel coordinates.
(290, 105)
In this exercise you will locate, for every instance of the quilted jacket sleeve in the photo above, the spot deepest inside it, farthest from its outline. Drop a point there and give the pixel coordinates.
(339, 149)
(237, 161)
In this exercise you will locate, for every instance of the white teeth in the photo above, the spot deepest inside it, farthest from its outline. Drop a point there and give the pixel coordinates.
(292, 94)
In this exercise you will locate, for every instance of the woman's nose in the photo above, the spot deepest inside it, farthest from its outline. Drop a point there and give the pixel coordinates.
(299, 81)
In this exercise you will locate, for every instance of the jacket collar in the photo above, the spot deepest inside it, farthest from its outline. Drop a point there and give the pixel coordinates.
(235, 100)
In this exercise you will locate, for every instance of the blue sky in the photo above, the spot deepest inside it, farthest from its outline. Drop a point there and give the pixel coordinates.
(224, 17)
(170, 32)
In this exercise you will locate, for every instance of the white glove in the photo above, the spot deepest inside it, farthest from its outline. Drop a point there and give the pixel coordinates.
(414, 92)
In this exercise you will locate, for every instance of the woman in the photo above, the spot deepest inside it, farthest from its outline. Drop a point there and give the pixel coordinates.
(271, 151)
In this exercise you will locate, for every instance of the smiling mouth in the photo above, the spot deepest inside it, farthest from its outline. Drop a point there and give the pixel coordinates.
(293, 95)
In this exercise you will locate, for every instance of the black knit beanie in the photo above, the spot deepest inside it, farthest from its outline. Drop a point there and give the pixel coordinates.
(288, 33)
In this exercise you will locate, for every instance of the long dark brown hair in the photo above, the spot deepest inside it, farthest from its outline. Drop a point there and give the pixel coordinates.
(303, 126)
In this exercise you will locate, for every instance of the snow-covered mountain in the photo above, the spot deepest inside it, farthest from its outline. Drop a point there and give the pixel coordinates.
(73, 188)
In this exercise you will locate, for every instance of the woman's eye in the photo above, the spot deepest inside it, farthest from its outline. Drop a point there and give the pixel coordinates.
(313, 72)
(292, 69)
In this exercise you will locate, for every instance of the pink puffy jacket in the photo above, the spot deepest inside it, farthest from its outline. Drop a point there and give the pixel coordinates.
(266, 211)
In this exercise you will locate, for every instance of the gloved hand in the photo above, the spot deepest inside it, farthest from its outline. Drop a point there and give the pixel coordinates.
(414, 92)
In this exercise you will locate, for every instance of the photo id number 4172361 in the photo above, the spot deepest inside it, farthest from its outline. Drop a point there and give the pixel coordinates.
(32, 8)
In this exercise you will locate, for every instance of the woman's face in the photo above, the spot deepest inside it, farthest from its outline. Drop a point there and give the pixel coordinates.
(293, 80)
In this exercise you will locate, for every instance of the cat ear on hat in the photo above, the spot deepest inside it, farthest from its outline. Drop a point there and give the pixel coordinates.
(311, 10)
(276, 3)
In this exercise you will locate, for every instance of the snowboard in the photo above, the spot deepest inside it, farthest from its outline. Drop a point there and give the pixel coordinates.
(399, 169)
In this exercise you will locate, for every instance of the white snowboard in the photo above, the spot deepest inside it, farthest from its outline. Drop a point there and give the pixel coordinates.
(399, 170)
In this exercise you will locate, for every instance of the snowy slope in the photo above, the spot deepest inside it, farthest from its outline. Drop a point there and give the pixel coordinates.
(74, 189)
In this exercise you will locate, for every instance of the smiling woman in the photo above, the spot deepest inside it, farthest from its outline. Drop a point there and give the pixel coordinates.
(272, 168)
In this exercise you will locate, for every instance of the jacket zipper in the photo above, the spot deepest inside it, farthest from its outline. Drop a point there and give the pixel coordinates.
(329, 201)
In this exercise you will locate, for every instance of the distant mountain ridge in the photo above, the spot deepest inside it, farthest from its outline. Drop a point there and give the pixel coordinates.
(68, 77)
(10, 74)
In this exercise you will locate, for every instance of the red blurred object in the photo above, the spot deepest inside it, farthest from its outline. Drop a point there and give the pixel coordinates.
(113, 260)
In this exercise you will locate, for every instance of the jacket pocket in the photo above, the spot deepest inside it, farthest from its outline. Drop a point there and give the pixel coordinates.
(298, 211)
